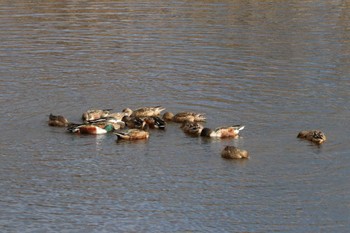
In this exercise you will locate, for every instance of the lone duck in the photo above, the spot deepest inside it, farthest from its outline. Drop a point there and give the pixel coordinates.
(94, 114)
(145, 111)
(192, 128)
(57, 121)
(132, 134)
(90, 129)
(223, 132)
(232, 152)
(184, 116)
(315, 136)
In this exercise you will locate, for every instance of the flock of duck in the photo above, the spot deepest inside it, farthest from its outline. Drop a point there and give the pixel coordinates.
(134, 124)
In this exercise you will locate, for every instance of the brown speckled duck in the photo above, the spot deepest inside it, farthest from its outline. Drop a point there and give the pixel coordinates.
(57, 121)
(232, 152)
(94, 114)
(184, 116)
(315, 136)
(192, 128)
(145, 111)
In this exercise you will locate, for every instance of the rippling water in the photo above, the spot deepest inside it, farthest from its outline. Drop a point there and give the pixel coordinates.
(276, 66)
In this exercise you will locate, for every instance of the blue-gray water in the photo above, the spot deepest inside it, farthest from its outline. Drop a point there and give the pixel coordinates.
(277, 67)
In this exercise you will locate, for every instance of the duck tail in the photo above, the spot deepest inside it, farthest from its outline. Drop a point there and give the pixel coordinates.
(238, 127)
(73, 127)
(159, 123)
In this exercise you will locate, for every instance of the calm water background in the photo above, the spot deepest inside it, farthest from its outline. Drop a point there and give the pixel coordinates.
(276, 66)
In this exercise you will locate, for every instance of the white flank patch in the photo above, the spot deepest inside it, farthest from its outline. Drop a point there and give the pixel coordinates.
(100, 130)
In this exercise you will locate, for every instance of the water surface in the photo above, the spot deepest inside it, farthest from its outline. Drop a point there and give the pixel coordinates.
(277, 67)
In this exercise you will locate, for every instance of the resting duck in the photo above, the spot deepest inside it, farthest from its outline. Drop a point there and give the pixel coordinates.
(231, 152)
(146, 111)
(90, 129)
(315, 136)
(132, 134)
(184, 116)
(223, 132)
(58, 121)
(93, 114)
(155, 122)
(192, 128)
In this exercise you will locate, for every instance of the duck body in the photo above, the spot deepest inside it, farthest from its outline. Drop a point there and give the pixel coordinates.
(134, 122)
(184, 117)
(90, 129)
(147, 111)
(223, 132)
(155, 122)
(94, 114)
(315, 136)
(132, 134)
(118, 115)
(232, 152)
(104, 121)
(192, 128)
(57, 121)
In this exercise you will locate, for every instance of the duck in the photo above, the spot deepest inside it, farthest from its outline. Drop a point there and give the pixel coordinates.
(57, 121)
(184, 116)
(132, 134)
(93, 114)
(192, 128)
(118, 115)
(102, 122)
(315, 136)
(232, 152)
(223, 132)
(155, 122)
(90, 129)
(146, 111)
(134, 122)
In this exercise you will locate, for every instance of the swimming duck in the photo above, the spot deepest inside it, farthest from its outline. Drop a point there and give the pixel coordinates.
(134, 122)
(192, 128)
(90, 129)
(155, 122)
(232, 152)
(132, 134)
(146, 111)
(315, 136)
(57, 121)
(118, 115)
(184, 116)
(223, 132)
(104, 121)
(93, 114)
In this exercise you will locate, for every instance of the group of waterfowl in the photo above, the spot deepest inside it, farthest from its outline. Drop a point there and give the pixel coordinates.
(134, 124)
